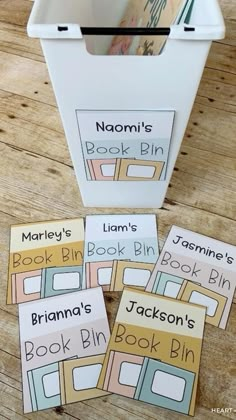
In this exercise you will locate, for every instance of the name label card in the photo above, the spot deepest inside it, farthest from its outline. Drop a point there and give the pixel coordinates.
(154, 351)
(210, 266)
(120, 250)
(46, 259)
(63, 342)
(125, 145)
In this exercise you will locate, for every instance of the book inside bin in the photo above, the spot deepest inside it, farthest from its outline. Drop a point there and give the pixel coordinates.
(119, 70)
(138, 15)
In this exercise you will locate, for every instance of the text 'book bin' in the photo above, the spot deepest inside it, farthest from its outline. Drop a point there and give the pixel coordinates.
(124, 115)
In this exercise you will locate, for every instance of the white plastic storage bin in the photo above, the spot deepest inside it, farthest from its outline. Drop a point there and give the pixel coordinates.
(124, 116)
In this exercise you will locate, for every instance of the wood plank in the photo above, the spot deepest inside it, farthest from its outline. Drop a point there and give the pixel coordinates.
(25, 77)
(11, 408)
(222, 93)
(216, 180)
(230, 38)
(32, 126)
(147, 411)
(14, 40)
(222, 57)
(212, 130)
(219, 76)
(228, 9)
(22, 9)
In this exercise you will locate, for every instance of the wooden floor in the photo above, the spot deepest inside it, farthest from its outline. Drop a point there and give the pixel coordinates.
(37, 182)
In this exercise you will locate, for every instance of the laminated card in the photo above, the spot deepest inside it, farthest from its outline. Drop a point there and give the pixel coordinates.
(154, 351)
(46, 259)
(63, 342)
(199, 270)
(120, 250)
(124, 146)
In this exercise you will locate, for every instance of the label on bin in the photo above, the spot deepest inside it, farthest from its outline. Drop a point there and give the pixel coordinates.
(125, 145)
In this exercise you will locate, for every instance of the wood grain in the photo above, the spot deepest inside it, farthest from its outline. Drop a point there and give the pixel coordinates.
(37, 182)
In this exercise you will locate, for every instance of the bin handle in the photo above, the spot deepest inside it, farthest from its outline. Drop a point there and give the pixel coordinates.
(116, 31)
(184, 32)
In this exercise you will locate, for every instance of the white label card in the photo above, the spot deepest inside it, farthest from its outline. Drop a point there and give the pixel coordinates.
(110, 137)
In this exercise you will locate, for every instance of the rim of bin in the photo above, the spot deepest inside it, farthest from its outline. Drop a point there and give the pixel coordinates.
(215, 30)
(74, 31)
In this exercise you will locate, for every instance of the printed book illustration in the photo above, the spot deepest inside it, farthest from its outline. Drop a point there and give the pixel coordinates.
(46, 259)
(185, 13)
(120, 250)
(150, 14)
(125, 145)
(199, 270)
(63, 345)
(154, 351)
